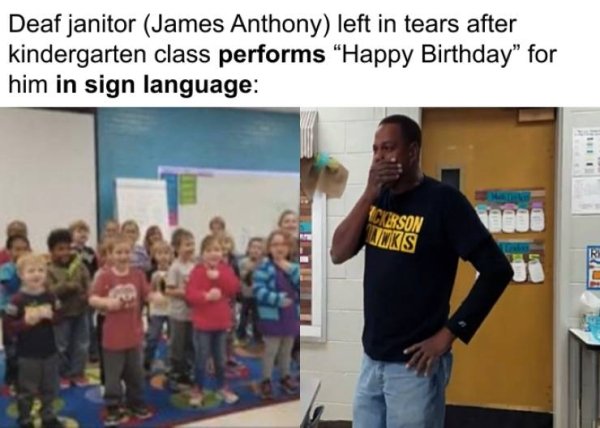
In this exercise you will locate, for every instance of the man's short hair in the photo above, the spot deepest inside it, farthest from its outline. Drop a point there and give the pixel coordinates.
(409, 129)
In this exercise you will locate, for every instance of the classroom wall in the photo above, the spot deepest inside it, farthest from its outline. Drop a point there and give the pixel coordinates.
(573, 234)
(48, 171)
(134, 142)
(347, 134)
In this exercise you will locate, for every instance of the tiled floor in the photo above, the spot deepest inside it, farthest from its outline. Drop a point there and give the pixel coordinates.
(280, 415)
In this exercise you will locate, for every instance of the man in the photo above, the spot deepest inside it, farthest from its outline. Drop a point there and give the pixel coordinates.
(414, 229)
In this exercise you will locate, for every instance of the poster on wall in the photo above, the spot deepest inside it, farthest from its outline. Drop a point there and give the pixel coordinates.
(593, 267)
(526, 257)
(585, 195)
(511, 211)
(586, 152)
(305, 260)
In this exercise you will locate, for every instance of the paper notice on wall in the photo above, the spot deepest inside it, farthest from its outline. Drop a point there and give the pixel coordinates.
(187, 189)
(586, 152)
(585, 195)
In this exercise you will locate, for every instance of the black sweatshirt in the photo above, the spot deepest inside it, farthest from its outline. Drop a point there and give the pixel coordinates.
(35, 341)
(413, 243)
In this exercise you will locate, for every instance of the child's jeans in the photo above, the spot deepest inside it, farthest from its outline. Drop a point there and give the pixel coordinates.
(248, 314)
(10, 352)
(277, 348)
(389, 395)
(156, 325)
(73, 342)
(123, 365)
(210, 344)
(38, 377)
(181, 349)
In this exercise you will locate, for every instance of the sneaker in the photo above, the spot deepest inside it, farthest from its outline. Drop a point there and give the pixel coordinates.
(141, 412)
(80, 381)
(288, 385)
(232, 363)
(196, 398)
(65, 383)
(266, 390)
(228, 396)
(114, 417)
(52, 423)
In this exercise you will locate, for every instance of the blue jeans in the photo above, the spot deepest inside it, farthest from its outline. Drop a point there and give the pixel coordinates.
(73, 341)
(156, 325)
(388, 395)
(210, 344)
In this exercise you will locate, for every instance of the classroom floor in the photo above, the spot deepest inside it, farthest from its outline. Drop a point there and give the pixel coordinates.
(280, 415)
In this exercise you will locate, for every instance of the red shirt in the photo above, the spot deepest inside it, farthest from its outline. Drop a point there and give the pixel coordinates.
(212, 315)
(123, 329)
(4, 256)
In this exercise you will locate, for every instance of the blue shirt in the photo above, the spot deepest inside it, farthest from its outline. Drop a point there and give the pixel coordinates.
(10, 281)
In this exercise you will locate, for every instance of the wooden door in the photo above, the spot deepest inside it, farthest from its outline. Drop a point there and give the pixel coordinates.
(508, 364)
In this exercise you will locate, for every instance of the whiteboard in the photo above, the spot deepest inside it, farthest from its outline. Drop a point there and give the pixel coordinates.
(250, 202)
(144, 201)
(47, 170)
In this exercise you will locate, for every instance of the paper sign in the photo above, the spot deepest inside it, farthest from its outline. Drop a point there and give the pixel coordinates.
(593, 267)
(172, 194)
(508, 220)
(495, 221)
(522, 220)
(586, 152)
(519, 268)
(187, 189)
(537, 218)
(536, 271)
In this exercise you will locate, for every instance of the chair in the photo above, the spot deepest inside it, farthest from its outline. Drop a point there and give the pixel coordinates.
(316, 417)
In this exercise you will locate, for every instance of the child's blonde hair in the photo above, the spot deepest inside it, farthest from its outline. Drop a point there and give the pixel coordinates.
(111, 243)
(161, 245)
(217, 220)
(227, 238)
(79, 225)
(30, 259)
(208, 242)
(284, 214)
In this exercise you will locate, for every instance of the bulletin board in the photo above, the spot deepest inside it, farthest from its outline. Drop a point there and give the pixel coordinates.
(250, 202)
(313, 256)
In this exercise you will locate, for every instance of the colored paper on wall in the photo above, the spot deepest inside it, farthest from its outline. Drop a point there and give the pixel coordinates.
(187, 189)
(593, 267)
(172, 194)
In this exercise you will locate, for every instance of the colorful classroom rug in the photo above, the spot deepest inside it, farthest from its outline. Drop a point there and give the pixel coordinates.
(81, 407)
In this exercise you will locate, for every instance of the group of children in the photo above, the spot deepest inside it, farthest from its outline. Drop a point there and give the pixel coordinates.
(49, 302)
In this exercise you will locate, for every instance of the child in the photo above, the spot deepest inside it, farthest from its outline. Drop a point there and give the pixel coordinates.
(69, 280)
(217, 226)
(254, 256)
(80, 232)
(139, 257)
(162, 253)
(103, 254)
(212, 286)
(153, 234)
(14, 228)
(17, 246)
(30, 316)
(288, 222)
(277, 290)
(111, 229)
(228, 247)
(120, 291)
(180, 328)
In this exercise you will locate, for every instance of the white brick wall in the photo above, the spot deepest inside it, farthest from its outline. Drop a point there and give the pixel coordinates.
(347, 134)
